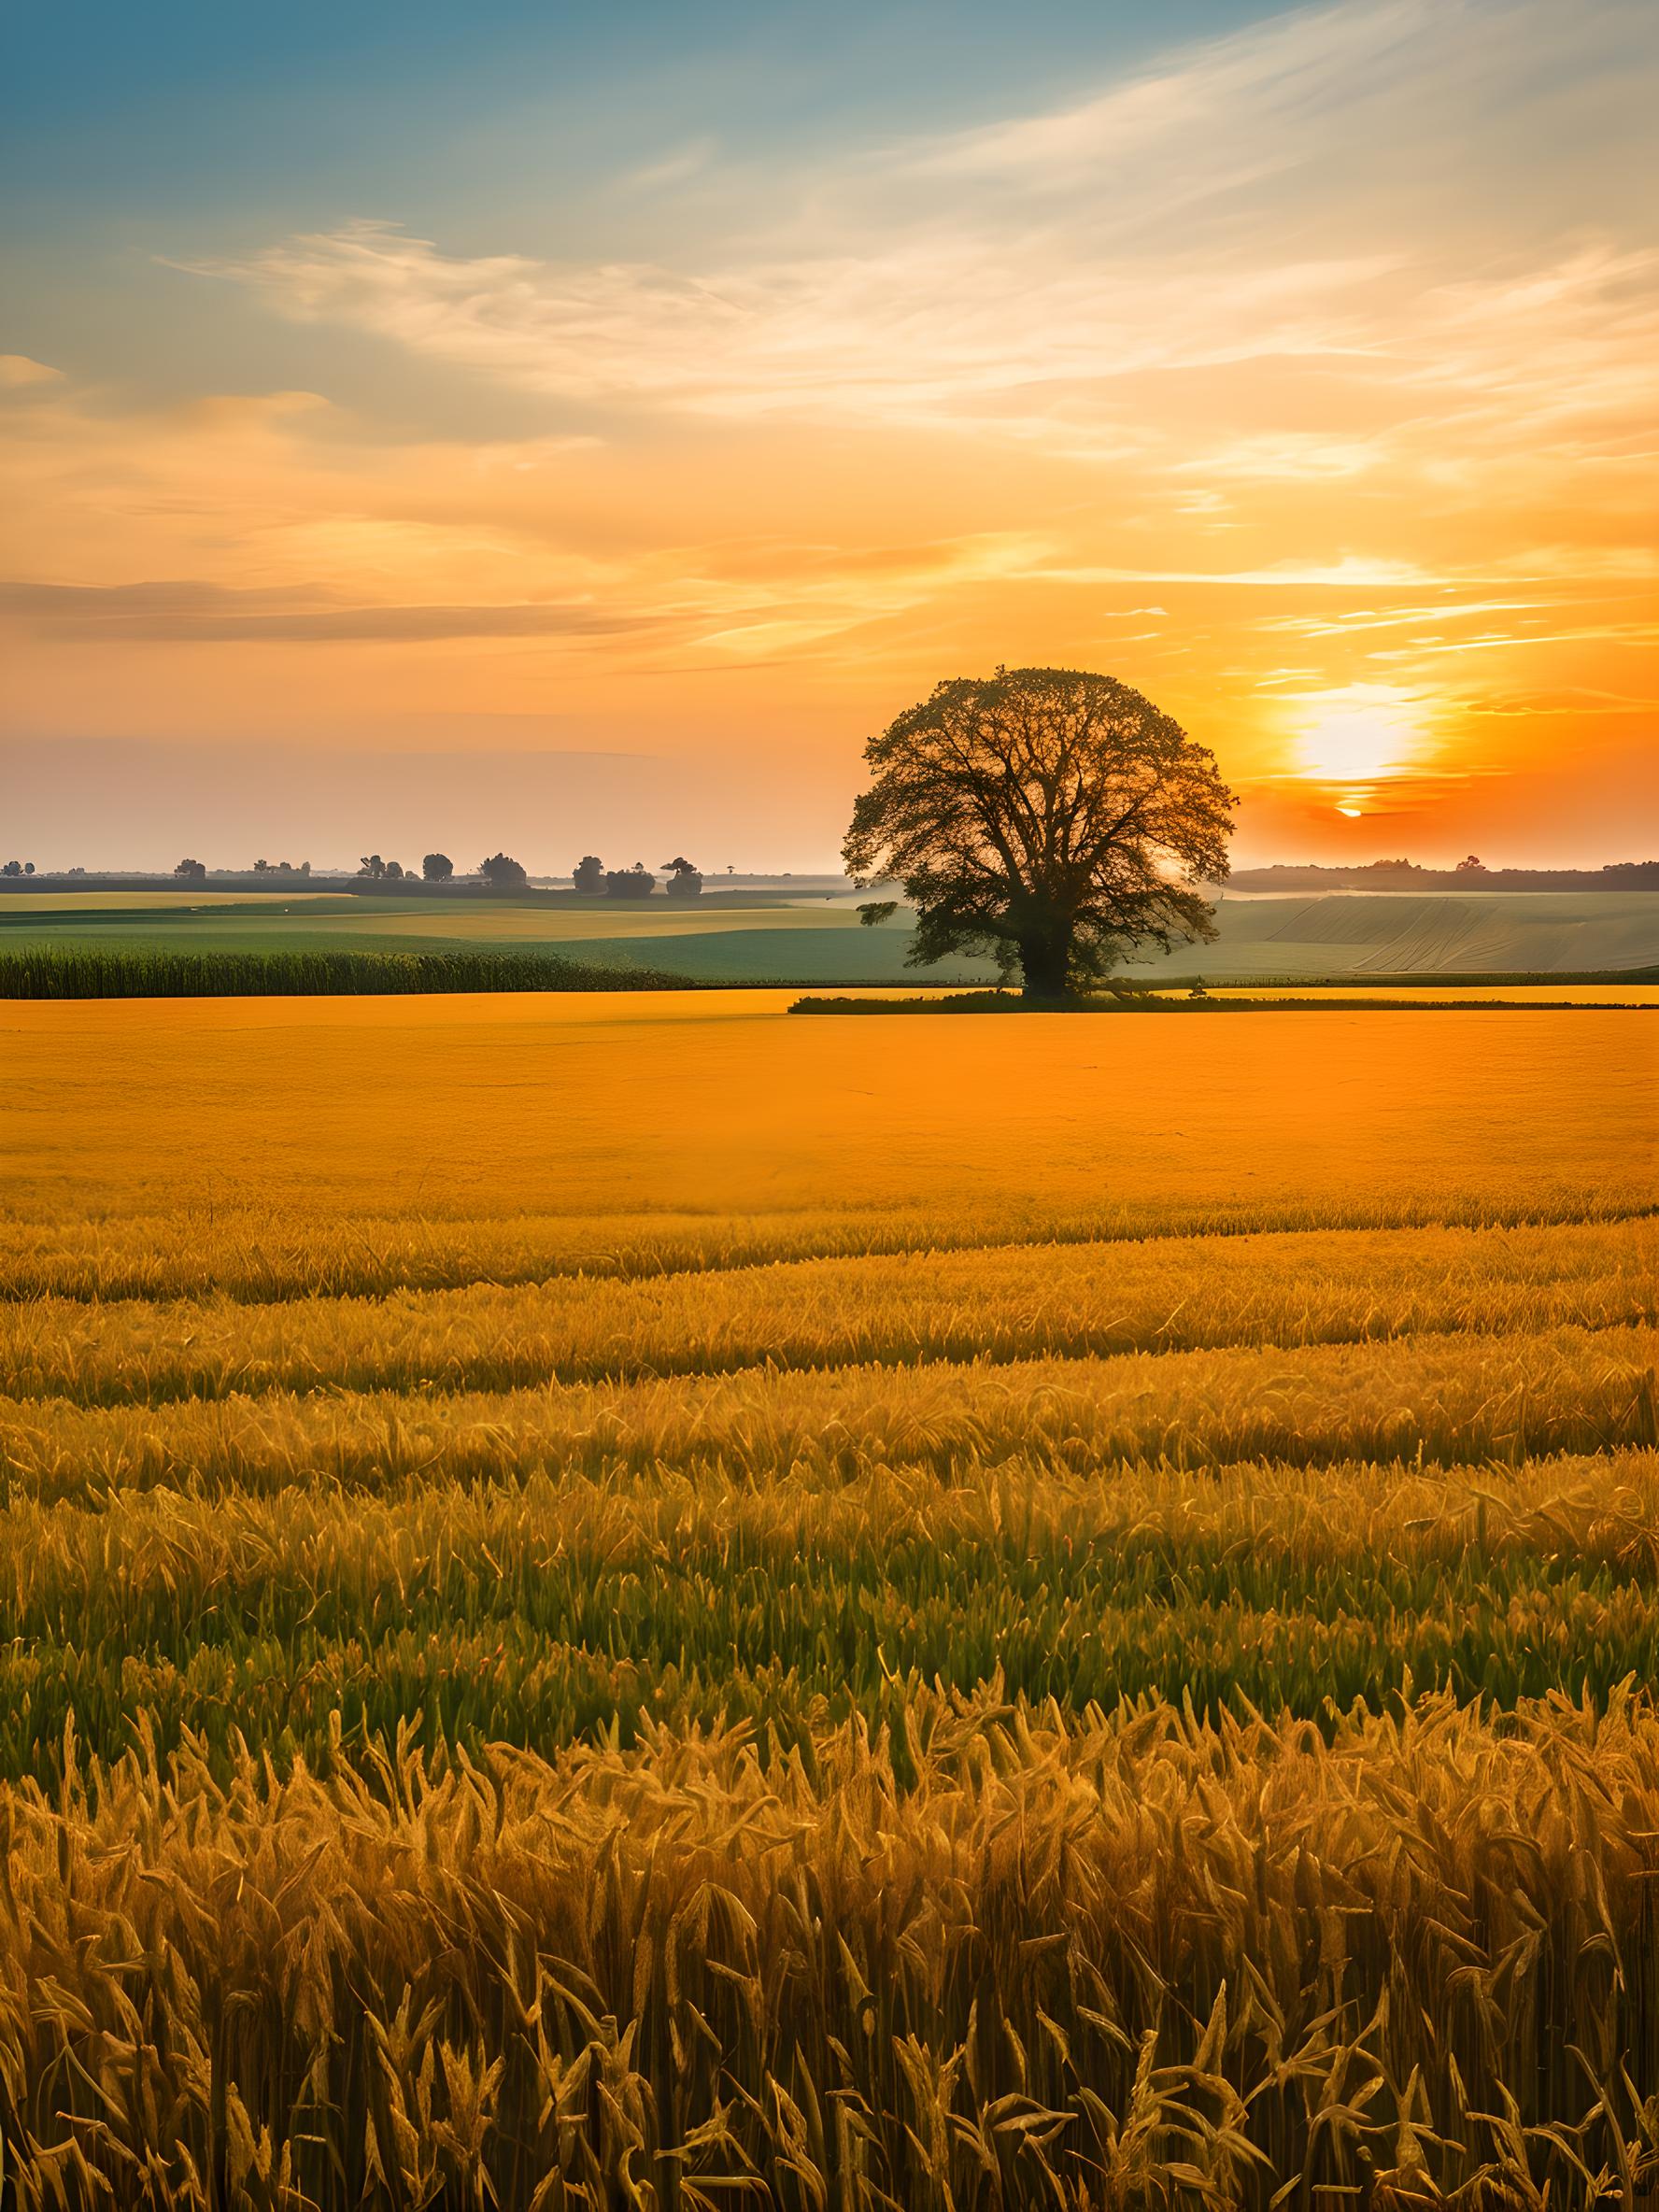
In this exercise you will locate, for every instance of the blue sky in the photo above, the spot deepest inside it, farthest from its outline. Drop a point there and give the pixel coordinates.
(133, 135)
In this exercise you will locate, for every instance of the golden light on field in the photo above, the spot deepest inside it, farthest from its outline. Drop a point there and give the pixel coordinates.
(896, 1465)
(666, 1107)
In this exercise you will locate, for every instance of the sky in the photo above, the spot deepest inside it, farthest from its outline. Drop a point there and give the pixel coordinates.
(559, 427)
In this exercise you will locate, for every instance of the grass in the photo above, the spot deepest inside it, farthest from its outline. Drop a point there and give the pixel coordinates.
(619, 1601)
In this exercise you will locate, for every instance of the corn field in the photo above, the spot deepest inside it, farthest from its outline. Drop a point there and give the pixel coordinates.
(876, 1675)
(145, 972)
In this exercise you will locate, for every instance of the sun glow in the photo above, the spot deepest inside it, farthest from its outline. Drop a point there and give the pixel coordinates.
(1359, 734)
(1355, 740)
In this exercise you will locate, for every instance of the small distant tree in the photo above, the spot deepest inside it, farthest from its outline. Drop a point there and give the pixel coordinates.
(437, 867)
(192, 871)
(1474, 865)
(395, 869)
(12, 868)
(590, 874)
(1051, 818)
(371, 865)
(503, 873)
(630, 882)
(28, 867)
(683, 880)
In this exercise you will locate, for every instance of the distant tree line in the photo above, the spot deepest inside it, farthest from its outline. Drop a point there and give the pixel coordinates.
(1403, 874)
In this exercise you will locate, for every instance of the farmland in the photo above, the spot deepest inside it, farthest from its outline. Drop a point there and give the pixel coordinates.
(771, 936)
(622, 1599)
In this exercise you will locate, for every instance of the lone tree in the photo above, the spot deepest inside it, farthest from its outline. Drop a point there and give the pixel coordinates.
(437, 867)
(685, 878)
(1054, 820)
(590, 874)
(193, 870)
(503, 873)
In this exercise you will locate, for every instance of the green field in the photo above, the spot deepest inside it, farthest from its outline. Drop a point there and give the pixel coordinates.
(733, 937)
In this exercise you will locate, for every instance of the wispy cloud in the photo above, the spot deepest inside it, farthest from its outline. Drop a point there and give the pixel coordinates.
(208, 614)
(17, 373)
(1352, 190)
(677, 166)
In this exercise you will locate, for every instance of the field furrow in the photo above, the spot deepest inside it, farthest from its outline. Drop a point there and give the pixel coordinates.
(532, 1614)
(272, 1255)
(1005, 1304)
(1454, 1400)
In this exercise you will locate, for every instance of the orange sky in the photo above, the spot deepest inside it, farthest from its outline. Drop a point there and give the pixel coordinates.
(1302, 375)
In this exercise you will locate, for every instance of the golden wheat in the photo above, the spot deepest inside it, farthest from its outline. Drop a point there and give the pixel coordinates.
(1016, 1303)
(1456, 1400)
(1104, 1960)
(614, 1606)
(471, 1109)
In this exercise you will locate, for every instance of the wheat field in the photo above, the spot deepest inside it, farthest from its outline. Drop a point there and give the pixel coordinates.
(627, 1602)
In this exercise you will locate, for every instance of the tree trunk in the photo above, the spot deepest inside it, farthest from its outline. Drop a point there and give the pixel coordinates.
(1046, 964)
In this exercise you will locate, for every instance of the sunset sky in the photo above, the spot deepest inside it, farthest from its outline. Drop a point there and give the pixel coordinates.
(576, 427)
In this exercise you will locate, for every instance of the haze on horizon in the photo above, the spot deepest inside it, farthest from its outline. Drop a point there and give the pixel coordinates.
(572, 428)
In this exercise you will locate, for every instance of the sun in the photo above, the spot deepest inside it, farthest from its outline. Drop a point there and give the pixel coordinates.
(1360, 734)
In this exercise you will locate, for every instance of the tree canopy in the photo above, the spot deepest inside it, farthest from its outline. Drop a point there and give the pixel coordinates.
(1052, 819)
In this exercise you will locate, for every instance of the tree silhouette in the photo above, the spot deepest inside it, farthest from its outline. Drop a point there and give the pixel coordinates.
(590, 874)
(1054, 820)
(503, 873)
(684, 880)
(437, 867)
(630, 882)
